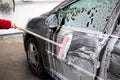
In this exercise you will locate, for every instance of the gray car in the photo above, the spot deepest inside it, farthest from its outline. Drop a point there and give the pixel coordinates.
(89, 33)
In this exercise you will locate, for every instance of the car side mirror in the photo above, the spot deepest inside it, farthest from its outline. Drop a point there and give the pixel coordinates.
(52, 21)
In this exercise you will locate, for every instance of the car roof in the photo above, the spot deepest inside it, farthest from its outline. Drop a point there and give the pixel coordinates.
(62, 5)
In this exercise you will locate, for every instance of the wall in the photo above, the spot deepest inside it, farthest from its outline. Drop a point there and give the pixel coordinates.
(26, 10)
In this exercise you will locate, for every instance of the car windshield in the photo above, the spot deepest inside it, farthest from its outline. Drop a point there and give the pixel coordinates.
(90, 14)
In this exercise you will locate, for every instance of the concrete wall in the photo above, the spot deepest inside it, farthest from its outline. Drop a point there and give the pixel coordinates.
(26, 10)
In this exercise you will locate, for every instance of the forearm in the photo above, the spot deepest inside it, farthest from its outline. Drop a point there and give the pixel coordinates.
(5, 24)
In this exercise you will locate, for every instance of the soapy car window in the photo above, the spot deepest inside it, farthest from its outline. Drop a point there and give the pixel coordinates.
(90, 14)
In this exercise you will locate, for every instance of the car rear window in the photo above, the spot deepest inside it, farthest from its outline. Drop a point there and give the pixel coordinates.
(90, 14)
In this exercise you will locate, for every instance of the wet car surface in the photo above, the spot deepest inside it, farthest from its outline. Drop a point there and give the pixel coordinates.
(90, 33)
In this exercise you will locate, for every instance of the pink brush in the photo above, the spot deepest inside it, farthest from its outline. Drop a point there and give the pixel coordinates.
(65, 46)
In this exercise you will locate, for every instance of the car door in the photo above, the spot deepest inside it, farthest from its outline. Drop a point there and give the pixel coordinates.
(111, 71)
(85, 16)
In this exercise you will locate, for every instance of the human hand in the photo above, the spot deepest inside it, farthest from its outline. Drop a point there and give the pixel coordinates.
(13, 25)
